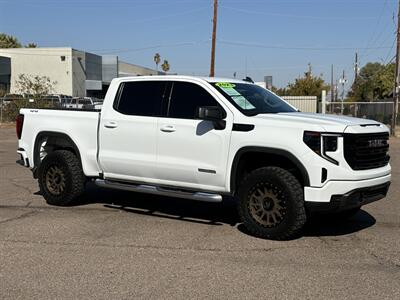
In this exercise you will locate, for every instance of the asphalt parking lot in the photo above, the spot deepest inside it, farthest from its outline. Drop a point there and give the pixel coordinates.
(128, 245)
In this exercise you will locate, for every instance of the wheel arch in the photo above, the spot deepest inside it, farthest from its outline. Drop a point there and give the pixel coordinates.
(270, 157)
(58, 141)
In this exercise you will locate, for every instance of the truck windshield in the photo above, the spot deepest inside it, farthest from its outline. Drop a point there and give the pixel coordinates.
(252, 99)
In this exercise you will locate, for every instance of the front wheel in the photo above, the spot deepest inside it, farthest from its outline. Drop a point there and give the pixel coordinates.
(271, 203)
(61, 179)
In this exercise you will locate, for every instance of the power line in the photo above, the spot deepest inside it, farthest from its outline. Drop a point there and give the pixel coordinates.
(375, 30)
(188, 12)
(390, 51)
(295, 47)
(104, 51)
(296, 16)
(115, 51)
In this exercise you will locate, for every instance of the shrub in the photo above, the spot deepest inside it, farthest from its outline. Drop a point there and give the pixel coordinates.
(11, 109)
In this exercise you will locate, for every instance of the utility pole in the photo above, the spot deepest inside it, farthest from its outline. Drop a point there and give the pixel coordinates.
(356, 68)
(214, 35)
(397, 78)
(332, 86)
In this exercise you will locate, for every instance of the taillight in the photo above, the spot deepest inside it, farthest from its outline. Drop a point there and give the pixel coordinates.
(19, 124)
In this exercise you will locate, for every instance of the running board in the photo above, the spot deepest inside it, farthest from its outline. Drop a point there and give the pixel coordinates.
(150, 189)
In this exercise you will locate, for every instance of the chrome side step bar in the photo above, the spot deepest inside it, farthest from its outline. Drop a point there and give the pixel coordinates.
(150, 189)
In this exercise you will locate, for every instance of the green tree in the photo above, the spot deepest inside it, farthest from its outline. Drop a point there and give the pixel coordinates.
(279, 91)
(308, 85)
(36, 86)
(165, 66)
(375, 81)
(8, 41)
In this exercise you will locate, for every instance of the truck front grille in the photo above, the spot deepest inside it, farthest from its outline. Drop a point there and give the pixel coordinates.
(366, 151)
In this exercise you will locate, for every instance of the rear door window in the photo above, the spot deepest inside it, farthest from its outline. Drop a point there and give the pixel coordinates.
(141, 98)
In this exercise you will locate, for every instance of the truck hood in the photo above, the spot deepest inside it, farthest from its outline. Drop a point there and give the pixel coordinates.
(330, 123)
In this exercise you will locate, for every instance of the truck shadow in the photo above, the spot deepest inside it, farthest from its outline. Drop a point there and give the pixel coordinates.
(214, 214)
(164, 207)
(324, 225)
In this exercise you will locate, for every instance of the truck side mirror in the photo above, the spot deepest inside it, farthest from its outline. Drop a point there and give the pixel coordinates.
(214, 114)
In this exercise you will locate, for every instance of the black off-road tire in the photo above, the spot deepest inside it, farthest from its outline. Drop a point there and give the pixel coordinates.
(64, 164)
(289, 196)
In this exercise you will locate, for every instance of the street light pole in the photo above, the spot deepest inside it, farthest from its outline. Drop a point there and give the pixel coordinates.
(343, 80)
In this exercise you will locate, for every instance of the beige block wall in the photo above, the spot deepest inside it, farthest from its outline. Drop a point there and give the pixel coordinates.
(42, 62)
(78, 74)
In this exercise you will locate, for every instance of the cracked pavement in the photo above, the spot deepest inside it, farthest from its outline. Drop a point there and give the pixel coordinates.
(127, 245)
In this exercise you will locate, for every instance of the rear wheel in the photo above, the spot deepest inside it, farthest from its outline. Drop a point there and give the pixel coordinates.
(271, 203)
(61, 179)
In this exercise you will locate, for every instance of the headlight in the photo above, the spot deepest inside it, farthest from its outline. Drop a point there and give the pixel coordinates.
(330, 143)
(321, 143)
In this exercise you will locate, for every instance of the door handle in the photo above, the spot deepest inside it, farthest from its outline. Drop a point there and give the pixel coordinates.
(111, 124)
(168, 128)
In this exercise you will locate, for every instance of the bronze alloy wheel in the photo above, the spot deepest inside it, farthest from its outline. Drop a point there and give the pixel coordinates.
(271, 203)
(61, 179)
(55, 180)
(267, 205)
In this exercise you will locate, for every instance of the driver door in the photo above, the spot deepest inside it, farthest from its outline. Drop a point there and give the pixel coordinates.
(191, 152)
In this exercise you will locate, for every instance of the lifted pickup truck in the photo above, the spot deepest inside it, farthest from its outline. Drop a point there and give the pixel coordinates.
(205, 138)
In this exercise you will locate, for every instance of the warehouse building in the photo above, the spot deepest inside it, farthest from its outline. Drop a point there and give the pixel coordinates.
(77, 73)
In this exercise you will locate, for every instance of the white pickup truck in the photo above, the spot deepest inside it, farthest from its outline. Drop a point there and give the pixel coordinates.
(205, 138)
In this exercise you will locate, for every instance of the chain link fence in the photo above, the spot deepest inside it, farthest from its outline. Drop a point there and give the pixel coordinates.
(381, 111)
(9, 107)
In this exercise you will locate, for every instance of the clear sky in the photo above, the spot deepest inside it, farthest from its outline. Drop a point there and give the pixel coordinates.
(270, 37)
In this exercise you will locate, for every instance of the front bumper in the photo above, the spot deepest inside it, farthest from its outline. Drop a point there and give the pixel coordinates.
(355, 198)
(339, 195)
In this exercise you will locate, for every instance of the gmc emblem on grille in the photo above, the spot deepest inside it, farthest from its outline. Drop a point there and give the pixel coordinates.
(376, 143)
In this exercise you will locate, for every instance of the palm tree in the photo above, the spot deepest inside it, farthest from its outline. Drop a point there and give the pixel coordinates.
(8, 41)
(165, 66)
(31, 45)
(157, 59)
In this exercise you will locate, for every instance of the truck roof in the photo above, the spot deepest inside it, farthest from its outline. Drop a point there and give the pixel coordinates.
(180, 77)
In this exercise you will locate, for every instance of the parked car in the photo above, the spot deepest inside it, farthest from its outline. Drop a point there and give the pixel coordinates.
(98, 103)
(53, 101)
(205, 138)
(84, 103)
(62, 99)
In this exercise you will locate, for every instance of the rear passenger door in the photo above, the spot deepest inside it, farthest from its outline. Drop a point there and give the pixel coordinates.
(128, 131)
(191, 153)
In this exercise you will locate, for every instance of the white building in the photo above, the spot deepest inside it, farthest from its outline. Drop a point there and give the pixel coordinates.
(77, 73)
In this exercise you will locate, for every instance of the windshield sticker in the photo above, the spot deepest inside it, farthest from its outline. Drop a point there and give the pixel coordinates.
(231, 92)
(225, 85)
(243, 102)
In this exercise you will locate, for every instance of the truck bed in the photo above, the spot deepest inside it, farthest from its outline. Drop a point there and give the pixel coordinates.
(80, 125)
